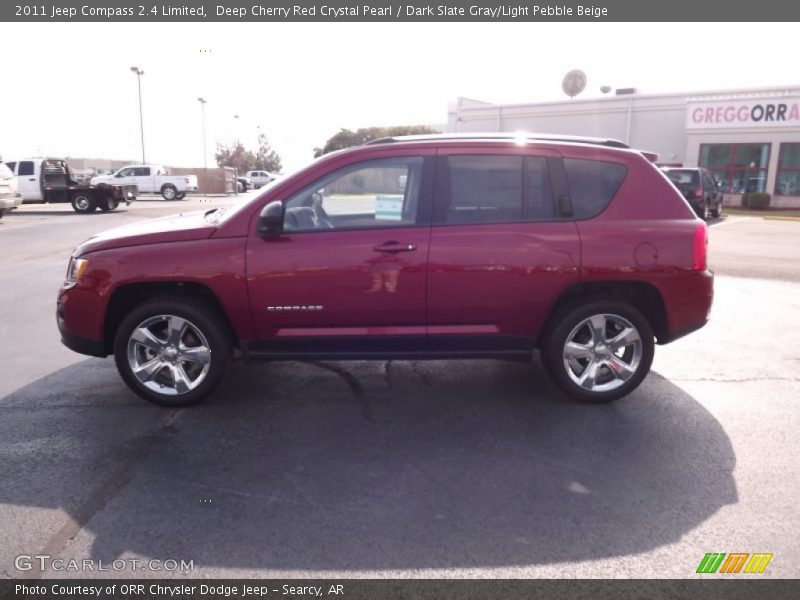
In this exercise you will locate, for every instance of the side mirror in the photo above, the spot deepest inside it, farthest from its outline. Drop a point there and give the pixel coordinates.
(118, 175)
(270, 221)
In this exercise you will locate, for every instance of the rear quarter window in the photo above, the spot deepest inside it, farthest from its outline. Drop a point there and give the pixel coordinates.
(592, 185)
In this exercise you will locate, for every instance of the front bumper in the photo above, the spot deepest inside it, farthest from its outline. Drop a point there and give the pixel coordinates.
(82, 345)
(81, 314)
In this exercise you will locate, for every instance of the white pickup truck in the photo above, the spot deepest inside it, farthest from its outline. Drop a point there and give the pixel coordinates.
(151, 179)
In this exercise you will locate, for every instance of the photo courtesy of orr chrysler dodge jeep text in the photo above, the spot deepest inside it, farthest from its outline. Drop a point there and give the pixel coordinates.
(427, 247)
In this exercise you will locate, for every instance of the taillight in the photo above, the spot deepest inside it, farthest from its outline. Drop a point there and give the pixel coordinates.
(700, 247)
(698, 192)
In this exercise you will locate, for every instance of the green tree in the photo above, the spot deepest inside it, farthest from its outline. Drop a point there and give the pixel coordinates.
(347, 138)
(265, 158)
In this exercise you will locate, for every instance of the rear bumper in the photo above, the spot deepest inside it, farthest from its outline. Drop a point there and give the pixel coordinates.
(688, 301)
(679, 333)
(9, 202)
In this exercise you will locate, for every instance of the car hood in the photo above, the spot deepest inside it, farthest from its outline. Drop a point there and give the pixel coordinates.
(174, 228)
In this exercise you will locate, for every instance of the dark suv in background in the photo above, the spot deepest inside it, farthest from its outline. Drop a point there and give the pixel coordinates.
(699, 188)
(440, 247)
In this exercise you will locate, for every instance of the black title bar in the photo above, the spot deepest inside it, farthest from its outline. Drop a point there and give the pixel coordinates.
(406, 11)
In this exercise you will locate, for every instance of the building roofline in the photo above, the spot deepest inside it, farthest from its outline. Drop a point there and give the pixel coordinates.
(694, 95)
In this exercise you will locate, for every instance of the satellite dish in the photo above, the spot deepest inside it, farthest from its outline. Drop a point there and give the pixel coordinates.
(574, 83)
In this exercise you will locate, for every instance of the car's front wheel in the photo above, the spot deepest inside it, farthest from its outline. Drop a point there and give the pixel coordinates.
(172, 351)
(599, 351)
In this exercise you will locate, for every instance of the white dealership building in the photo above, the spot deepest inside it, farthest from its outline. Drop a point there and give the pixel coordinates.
(748, 138)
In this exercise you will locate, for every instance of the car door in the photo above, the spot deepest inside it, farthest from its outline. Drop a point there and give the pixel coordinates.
(145, 179)
(347, 274)
(501, 251)
(125, 176)
(28, 180)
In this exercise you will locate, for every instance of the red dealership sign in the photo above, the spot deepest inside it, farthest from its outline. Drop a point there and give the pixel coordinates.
(730, 114)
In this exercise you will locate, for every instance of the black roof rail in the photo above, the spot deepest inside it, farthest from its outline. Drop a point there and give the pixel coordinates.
(544, 137)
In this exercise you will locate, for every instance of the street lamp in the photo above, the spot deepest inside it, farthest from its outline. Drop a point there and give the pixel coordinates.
(238, 160)
(139, 74)
(202, 102)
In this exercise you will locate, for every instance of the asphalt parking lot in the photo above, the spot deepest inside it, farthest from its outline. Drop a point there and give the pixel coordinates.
(405, 469)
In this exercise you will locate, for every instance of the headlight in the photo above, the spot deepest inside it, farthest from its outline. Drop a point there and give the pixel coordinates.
(77, 267)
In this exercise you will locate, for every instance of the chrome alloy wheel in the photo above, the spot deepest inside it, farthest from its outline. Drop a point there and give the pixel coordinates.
(168, 354)
(602, 352)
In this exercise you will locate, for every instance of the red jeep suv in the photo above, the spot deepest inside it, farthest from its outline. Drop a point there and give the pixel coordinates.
(437, 247)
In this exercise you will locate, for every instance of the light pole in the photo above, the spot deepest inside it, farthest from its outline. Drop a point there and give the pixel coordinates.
(238, 160)
(205, 154)
(139, 74)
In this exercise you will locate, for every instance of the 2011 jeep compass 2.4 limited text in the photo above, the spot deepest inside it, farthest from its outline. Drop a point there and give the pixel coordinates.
(427, 247)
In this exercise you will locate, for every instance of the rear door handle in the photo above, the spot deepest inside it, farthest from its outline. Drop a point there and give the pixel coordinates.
(394, 247)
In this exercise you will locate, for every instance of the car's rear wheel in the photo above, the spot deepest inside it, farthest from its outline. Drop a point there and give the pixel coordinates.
(83, 203)
(172, 351)
(599, 351)
(109, 203)
(169, 191)
(717, 212)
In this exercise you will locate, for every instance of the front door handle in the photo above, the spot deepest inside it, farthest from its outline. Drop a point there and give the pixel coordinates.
(394, 247)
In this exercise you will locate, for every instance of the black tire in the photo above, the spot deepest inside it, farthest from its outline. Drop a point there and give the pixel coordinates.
(169, 192)
(200, 317)
(563, 325)
(108, 204)
(83, 203)
(180, 196)
(717, 212)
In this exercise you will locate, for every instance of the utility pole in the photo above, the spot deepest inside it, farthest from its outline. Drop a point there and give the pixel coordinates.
(205, 153)
(139, 74)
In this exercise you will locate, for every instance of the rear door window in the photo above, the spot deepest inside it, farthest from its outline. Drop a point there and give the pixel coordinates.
(484, 189)
(592, 185)
(477, 189)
